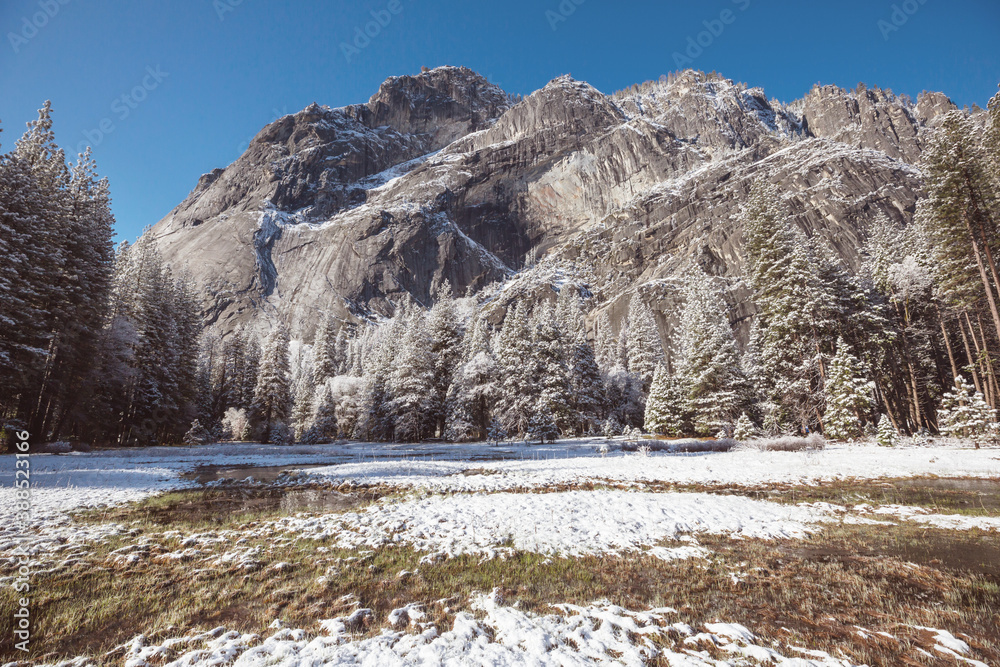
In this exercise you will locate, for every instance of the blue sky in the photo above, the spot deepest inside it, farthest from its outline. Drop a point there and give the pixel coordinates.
(209, 74)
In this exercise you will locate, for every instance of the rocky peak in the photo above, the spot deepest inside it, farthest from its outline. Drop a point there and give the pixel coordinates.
(710, 111)
(865, 118)
(438, 177)
(564, 107)
(444, 103)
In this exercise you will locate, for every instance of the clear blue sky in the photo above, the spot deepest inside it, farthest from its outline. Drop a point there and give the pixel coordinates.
(220, 80)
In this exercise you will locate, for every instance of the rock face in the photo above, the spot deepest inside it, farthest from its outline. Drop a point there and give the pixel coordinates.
(440, 176)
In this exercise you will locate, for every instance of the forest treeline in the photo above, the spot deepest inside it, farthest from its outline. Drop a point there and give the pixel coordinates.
(106, 345)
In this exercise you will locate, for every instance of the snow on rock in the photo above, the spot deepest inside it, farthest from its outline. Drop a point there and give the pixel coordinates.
(571, 523)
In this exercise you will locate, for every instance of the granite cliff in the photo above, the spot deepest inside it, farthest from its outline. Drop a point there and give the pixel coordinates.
(443, 176)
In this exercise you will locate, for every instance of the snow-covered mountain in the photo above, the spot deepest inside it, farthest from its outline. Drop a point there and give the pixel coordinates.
(443, 176)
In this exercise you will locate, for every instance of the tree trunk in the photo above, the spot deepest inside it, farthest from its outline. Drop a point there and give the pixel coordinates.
(982, 275)
(947, 344)
(988, 362)
(915, 411)
(968, 352)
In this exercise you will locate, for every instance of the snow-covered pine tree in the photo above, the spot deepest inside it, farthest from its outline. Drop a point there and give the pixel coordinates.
(325, 363)
(897, 343)
(340, 354)
(250, 367)
(304, 406)
(444, 326)
(849, 396)
(585, 384)
(605, 344)
(55, 233)
(644, 350)
(886, 435)
(709, 370)
(197, 434)
(411, 381)
(962, 201)
(375, 354)
(550, 370)
(272, 401)
(323, 426)
(666, 406)
(744, 428)
(474, 386)
(964, 412)
(517, 387)
(25, 285)
(784, 334)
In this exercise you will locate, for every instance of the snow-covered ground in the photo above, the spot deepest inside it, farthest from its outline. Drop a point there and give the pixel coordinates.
(471, 499)
(498, 635)
(67, 482)
(570, 523)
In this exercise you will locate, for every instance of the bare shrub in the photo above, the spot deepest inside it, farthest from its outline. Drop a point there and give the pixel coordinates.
(787, 443)
(682, 446)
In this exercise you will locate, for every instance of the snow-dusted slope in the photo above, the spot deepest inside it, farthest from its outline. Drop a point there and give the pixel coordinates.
(440, 177)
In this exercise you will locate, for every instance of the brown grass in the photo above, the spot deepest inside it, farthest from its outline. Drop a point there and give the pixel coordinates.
(807, 592)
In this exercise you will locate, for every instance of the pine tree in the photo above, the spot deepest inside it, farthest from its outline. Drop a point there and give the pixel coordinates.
(197, 434)
(848, 396)
(964, 412)
(445, 331)
(340, 352)
(585, 385)
(605, 344)
(55, 233)
(272, 399)
(325, 351)
(24, 282)
(411, 382)
(474, 388)
(963, 209)
(643, 347)
(666, 407)
(516, 399)
(323, 427)
(744, 428)
(304, 406)
(550, 372)
(886, 436)
(709, 369)
(375, 353)
(785, 335)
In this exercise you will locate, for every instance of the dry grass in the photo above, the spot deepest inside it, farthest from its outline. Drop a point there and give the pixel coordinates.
(681, 446)
(975, 497)
(787, 443)
(808, 592)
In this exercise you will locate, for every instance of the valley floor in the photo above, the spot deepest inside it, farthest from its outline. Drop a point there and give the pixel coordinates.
(374, 554)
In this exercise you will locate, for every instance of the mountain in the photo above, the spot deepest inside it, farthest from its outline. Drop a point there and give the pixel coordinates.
(444, 176)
